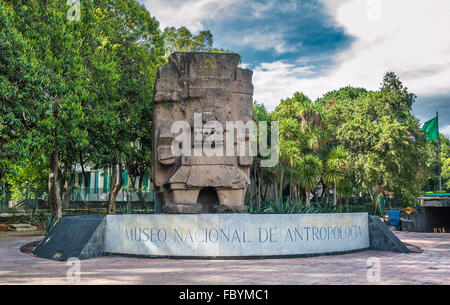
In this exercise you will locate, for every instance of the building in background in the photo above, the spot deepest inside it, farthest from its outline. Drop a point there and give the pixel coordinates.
(98, 186)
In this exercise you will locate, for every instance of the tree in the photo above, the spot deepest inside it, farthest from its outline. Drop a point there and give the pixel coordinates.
(124, 61)
(336, 167)
(182, 40)
(56, 112)
(291, 139)
(261, 175)
(96, 103)
(376, 128)
(31, 177)
(431, 171)
(445, 162)
(303, 130)
(308, 170)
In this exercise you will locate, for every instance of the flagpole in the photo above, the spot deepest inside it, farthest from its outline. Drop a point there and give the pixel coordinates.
(439, 153)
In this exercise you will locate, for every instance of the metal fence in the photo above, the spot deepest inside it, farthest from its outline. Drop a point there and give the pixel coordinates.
(3, 206)
(94, 200)
(84, 201)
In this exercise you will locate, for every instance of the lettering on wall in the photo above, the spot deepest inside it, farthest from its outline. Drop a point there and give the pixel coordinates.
(261, 235)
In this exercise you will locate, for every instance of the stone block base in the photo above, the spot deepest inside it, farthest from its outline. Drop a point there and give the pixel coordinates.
(178, 208)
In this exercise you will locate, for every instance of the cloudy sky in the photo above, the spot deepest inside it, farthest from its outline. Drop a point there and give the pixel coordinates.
(316, 46)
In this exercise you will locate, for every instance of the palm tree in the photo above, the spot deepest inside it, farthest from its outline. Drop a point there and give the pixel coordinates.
(302, 129)
(336, 165)
(288, 153)
(308, 170)
(312, 115)
(289, 147)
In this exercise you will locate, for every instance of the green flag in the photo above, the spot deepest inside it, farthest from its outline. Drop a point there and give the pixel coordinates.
(431, 128)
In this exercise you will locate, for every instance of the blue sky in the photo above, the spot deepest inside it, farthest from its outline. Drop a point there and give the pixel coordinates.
(322, 45)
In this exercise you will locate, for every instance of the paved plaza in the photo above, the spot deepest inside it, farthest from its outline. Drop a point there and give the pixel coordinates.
(432, 266)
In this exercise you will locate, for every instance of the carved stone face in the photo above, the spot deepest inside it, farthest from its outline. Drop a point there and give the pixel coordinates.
(210, 85)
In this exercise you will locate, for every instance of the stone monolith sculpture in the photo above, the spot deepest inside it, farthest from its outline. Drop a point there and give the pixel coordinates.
(209, 86)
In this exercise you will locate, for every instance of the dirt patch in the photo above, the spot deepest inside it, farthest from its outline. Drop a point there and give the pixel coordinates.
(28, 248)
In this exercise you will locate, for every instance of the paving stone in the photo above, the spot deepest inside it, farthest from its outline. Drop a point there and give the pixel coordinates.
(348, 269)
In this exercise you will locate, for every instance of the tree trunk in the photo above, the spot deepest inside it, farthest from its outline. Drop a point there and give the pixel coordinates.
(283, 168)
(259, 185)
(139, 190)
(264, 198)
(115, 187)
(131, 181)
(66, 187)
(334, 194)
(307, 197)
(275, 187)
(54, 188)
(290, 186)
(66, 194)
(255, 186)
(86, 186)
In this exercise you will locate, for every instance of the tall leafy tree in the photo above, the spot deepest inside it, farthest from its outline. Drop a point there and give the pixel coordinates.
(302, 131)
(22, 84)
(125, 56)
(335, 168)
(56, 45)
(376, 128)
(182, 40)
(309, 169)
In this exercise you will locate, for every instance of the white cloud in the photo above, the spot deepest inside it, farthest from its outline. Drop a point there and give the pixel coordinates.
(266, 41)
(445, 130)
(189, 13)
(410, 39)
(277, 80)
(260, 9)
(194, 13)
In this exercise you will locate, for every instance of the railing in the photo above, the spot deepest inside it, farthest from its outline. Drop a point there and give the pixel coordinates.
(3, 206)
(86, 201)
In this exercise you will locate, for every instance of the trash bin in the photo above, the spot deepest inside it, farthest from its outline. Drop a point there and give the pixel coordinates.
(394, 218)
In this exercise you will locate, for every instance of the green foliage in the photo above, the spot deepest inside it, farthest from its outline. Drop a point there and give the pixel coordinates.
(445, 162)
(431, 174)
(375, 128)
(23, 91)
(47, 223)
(32, 216)
(309, 168)
(182, 40)
(31, 178)
(81, 92)
(356, 142)
(128, 209)
(336, 165)
(78, 91)
(294, 207)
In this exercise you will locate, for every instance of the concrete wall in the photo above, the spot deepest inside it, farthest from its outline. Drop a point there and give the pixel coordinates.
(235, 235)
(382, 239)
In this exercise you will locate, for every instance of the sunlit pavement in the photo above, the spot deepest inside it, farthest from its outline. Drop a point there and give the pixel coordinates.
(430, 267)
